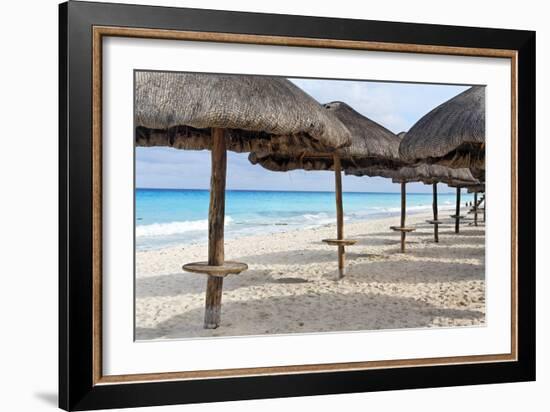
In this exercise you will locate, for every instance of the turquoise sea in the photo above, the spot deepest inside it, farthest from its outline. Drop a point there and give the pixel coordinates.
(167, 217)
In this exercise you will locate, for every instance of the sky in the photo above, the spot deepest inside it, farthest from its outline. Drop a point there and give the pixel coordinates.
(396, 106)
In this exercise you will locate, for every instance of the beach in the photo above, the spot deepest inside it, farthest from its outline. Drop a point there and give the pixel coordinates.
(172, 217)
(290, 286)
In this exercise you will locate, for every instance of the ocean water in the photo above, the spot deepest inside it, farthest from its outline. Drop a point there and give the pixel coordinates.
(168, 217)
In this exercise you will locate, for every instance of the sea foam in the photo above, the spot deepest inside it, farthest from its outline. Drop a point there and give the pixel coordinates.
(175, 228)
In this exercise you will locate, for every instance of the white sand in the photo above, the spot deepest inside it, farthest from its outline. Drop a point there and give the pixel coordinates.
(290, 284)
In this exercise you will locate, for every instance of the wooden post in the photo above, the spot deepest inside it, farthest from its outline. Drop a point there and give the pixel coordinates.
(484, 205)
(434, 205)
(339, 214)
(403, 214)
(457, 218)
(216, 218)
(475, 208)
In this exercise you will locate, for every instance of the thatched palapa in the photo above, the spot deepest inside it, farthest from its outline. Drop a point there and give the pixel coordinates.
(433, 174)
(427, 174)
(472, 187)
(424, 173)
(258, 113)
(477, 202)
(480, 188)
(372, 145)
(228, 112)
(452, 134)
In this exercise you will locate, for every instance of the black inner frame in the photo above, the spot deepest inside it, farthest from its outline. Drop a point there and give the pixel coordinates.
(76, 389)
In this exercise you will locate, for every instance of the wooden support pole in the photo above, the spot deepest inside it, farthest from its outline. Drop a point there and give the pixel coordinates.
(339, 214)
(457, 212)
(403, 214)
(216, 219)
(484, 205)
(475, 208)
(434, 205)
(213, 302)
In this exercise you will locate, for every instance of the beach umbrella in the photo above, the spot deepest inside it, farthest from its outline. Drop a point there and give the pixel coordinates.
(477, 189)
(473, 187)
(228, 112)
(457, 216)
(394, 175)
(452, 134)
(372, 145)
(434, 174)
(427, 174)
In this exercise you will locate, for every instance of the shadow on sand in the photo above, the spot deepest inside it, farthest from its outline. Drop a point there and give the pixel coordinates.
(422, 271)
(467, 245)
(178, 284)
(310, 313)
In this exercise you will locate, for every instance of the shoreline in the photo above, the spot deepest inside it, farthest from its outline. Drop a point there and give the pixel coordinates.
(234, 236)
(289, 287)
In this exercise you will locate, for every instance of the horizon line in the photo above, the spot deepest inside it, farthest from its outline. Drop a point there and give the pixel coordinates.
(283, 190)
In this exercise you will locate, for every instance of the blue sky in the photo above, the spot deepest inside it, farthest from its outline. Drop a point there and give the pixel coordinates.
(396, 106)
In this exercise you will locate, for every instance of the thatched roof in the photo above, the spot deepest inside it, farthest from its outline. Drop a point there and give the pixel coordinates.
(476, 188)
(472, 187)
(259, 113)
(371, 145)
(452, 134)
(427, 174)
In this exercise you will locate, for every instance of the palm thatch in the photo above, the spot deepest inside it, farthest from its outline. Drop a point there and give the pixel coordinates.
(472, 187)
(424, 173)
(228, 112)
(258, 113)
(374, 171)
(480, 188)
(452, 134)
(429, 174)
(371, 145)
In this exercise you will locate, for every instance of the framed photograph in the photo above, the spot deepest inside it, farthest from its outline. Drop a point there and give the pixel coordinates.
(256, 206)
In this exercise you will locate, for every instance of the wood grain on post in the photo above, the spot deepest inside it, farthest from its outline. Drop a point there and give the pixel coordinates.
(213, 302)
(434, 205)
(339, 214)
(457, 214)
(403, 214)
(216, 212)
(216, 219)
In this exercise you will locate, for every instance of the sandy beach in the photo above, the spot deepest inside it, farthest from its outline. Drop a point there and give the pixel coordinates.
(290, 286)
